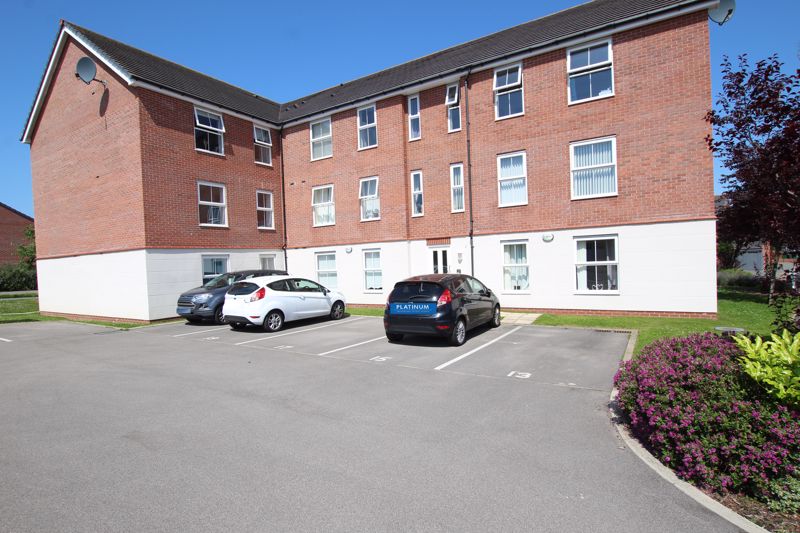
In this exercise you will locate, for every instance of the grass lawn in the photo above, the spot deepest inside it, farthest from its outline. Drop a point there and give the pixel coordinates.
(739, 309)
(366, 311)
(27, 310)
(6, 295)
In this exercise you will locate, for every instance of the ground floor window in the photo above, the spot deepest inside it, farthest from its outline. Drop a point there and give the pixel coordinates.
(267, 261)
(515, 266)
(373, 275)
(596, 264)
(213, 266)
(326, 269)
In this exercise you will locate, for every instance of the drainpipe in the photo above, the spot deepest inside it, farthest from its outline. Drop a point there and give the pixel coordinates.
(283, 204)
(469, 177)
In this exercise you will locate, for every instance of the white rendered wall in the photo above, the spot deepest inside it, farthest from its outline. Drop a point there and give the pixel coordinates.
(662, 267)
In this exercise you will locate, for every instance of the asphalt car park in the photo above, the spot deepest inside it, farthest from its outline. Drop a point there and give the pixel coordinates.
(323, 426)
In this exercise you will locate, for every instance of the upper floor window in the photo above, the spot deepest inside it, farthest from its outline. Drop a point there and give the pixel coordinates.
(451, 101)
(321, 139)
(211, 204)
(596, 264)
(591, 72)
(370, 201)
(414, 126)
(512, 179)
(324, 210)
(508, 92)
(264, 210)
(263, 145)
(367, 127)
(594, 168)
(456, 188)
(208, 131)
(417, 201)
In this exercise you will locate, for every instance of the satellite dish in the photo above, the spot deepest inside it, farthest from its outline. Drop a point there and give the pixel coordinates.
(86, 70)
(723, 12)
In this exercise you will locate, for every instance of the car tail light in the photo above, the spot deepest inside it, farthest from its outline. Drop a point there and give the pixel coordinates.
(258, 295)
(444, 299)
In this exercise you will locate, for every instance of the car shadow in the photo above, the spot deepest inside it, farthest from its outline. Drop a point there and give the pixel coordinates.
(426, 341)
(294, 324)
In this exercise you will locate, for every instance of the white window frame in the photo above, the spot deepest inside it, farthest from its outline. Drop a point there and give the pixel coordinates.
(527, 265)
(379, 269)
(210, 129)
(334, 271)
(507, 89)
(203, 258)
(361, 199)
(420, 192)
(331, 203)
(590, 68)
(312, 140)
(367, 126)
(274, 258)
(270, 210)
(412, 117)
(573, 169)
(223, 204)
(267, 145)
(453, 189)
(524, 175)
(450, 104)
(585, 238)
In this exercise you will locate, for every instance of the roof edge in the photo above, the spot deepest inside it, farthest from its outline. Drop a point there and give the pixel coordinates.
(20, 213)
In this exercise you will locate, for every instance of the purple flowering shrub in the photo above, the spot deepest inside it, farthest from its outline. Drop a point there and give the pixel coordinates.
(689, 402)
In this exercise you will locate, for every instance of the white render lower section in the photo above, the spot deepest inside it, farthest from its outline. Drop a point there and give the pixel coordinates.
(140, 284)
(668, 267)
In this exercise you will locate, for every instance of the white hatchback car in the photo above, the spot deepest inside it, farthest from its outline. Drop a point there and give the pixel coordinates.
(270, 301)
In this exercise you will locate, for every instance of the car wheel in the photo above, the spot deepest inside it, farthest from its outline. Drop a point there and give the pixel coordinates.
(337, 311)
(459, 333)
(238, 325)
(219, 318)
(496, 317)
(273, 321)
(394, 337)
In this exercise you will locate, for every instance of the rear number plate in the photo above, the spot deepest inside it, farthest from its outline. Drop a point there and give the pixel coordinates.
(413, 309)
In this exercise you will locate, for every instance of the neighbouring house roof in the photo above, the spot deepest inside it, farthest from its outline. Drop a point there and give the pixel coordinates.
(8, 207)
(582, 21)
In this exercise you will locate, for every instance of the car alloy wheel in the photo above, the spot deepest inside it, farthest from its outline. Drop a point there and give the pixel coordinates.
(459, 334)
(496, 317)
(273, 321)
(219, 318)
(337, 311)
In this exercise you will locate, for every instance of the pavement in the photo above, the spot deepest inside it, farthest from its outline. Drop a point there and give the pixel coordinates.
(325, 426)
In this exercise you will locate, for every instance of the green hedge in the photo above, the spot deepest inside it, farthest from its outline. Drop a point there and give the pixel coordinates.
(17, 278)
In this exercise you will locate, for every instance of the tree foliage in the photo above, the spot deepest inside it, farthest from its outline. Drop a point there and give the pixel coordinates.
(27, 252)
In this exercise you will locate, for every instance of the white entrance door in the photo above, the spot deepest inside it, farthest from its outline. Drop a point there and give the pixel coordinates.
(441, 263)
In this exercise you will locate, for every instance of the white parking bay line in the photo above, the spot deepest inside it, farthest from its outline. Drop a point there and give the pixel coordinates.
(5, 340)
(352, 345)
(481, 347)
(336, 323)
(196, 332)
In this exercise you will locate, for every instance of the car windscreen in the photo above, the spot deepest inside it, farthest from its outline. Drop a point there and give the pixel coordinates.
(242, 287)
(418, 290)
(223, 280)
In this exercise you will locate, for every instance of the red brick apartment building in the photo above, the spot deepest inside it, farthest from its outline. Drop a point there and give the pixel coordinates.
(561, 161)
(12, 233)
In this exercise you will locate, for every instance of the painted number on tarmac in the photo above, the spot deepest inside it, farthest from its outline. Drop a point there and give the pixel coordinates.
(379, 358)
(283, 347)
(210, 338)
(518, 375)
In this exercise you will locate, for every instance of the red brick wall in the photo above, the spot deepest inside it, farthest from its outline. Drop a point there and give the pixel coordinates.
(172, 167)
(86, 165)
(12, 234)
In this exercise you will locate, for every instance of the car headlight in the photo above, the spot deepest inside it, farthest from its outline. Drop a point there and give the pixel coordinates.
(201, 298)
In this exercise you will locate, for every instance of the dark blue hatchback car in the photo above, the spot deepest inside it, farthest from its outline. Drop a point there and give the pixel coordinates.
(443, 305)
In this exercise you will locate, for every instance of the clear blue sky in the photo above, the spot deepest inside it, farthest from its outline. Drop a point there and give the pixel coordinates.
(284, 50)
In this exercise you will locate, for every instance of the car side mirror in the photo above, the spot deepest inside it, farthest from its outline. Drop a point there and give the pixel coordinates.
(325, 291)
(487, 292)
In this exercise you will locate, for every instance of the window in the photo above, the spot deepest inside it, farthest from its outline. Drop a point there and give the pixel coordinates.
(591, 72)
(373, 276)
(453, 108)
(414, 127)
(370, 200)
(267, 261)
(263, 145)
(323, 206)
(512, 179)
(326, 269)
(417, 201)
(456, 188)
(594, 168)
(213, 266)
(208, 131)
(596, 264)
(367, 128)
(515, 266)
(321, 139)
(508, 92)
(211, 203)
(264, 210)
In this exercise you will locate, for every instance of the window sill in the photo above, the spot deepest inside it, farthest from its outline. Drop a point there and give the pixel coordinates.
(322, 225)
(225, 226)
(259, 163)
(596, 293)
(511, 205)
(415, 140)
(370, 219)
(498, 119)
(367, 148)
(593, 99)
(516, 293)
(266, 229)
(454, 131)
(452, 212)
(420, 215)
(594, 196)
(322, 158)
(209, 152)
(373, 291)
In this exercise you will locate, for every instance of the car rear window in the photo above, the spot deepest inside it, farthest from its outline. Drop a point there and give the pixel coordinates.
(242, 287)
(416, 290)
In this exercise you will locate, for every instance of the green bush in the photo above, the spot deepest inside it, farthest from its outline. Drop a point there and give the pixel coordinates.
(775, 364)
(787, 313)
(733, 277)
(784, 495)
(17, 278)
